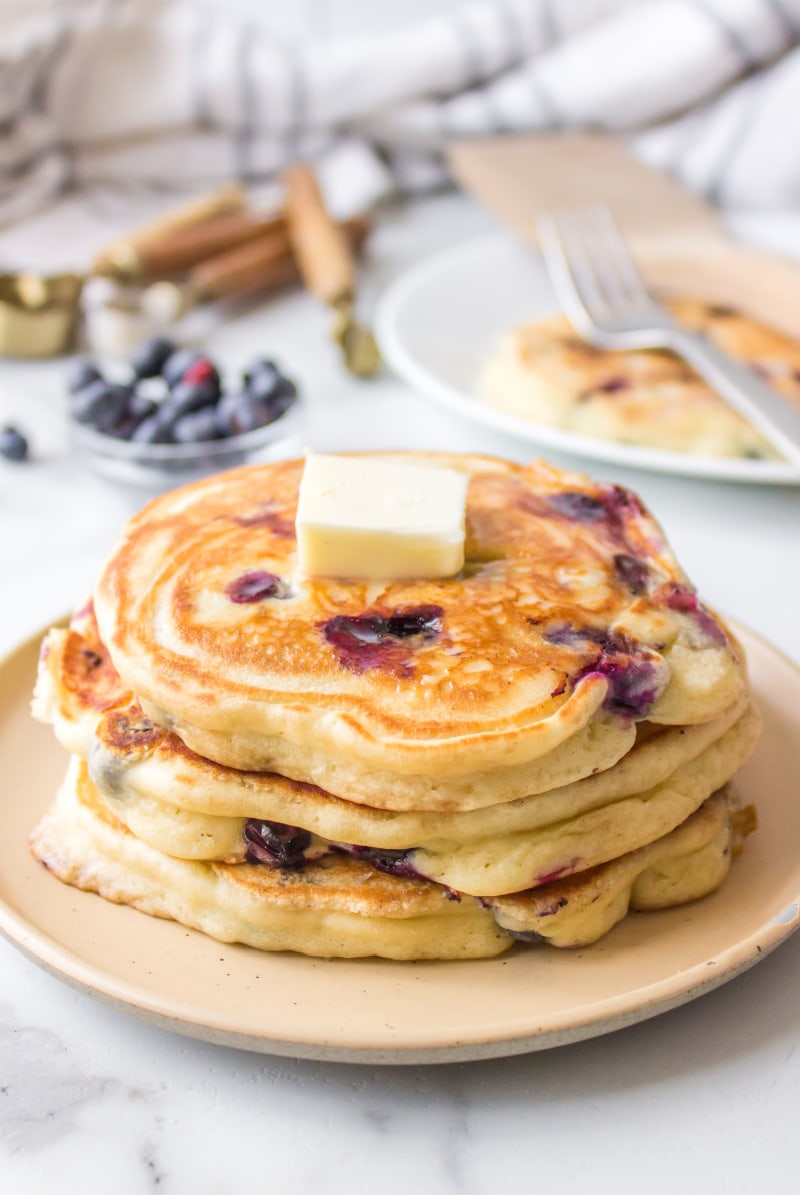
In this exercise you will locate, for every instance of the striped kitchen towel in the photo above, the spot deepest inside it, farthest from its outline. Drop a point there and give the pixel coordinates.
(176, 95)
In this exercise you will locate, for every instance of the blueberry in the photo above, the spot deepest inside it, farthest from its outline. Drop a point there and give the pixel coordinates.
(226, 411)
(81, 374)
(243, 413)
(138, 409)
(393, 863)
(13, 445)
(203, 373)
(632, 571)
(196, 427)
(99, 400)
(140, 406)
(111, 408)
(280, 402)
(177, 363)
(268, 384)
(275, 844)
(150, 431)
(148, 360)
(580, 507)
(260, 365)
(256, 586)
(189, 396)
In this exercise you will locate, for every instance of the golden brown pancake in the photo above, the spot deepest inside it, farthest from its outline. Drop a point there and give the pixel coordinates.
(570, 610)
(545, 372)
(176, 801)
(340, 907)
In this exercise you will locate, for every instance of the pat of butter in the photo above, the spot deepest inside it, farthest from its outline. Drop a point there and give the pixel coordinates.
(380, 518)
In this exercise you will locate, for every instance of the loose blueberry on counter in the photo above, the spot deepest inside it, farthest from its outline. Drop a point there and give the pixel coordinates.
(148, 360)
(13, 445)
(81, 374)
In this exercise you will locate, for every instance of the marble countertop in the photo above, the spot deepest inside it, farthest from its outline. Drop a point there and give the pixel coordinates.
(701, 1098)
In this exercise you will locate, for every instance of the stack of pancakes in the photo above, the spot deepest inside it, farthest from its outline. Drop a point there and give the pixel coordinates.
(411, 769)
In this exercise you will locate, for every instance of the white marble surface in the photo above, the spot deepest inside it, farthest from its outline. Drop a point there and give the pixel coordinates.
(702, 1098)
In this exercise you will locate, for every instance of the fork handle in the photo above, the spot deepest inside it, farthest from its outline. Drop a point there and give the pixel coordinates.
(774, 416)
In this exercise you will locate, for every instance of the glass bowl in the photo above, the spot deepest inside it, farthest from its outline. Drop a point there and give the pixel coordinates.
(164, 466)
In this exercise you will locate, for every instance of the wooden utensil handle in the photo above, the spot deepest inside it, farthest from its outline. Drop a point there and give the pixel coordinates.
(321, 249)
(262, 264)
(177, 251)
(121, 258)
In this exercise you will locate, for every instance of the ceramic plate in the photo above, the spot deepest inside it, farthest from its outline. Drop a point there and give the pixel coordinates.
(440, 320)
(376, 1011)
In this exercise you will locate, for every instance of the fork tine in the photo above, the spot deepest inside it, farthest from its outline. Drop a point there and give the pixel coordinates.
(572, 279)
(578, 249)
(617, 254)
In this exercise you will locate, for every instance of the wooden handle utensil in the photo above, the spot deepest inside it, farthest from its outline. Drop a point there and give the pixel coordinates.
(261, 265)
(126, 258)
(327, 267)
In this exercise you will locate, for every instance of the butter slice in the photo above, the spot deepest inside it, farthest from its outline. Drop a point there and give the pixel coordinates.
(380, 518)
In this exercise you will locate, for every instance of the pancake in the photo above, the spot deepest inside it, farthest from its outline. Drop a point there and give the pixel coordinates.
(77, 684)
(494, 865)
(175, 800)
(337, 908)
(570, 609)
(341, 907)
(544, 372)
(687, 864)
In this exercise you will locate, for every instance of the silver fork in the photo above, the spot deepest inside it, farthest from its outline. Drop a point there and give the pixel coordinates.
(604, 297)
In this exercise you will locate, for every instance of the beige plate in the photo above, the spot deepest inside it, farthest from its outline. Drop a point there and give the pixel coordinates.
(376, 1011)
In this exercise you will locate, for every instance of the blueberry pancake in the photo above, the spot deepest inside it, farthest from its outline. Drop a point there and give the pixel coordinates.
(339, 907)
(412, 769)
(570, 613)
(189, 807)
(546, 373)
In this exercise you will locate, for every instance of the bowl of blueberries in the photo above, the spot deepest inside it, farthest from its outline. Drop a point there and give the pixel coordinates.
(169, 419)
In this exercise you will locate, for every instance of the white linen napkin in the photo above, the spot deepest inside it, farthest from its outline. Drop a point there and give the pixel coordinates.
(175, 96)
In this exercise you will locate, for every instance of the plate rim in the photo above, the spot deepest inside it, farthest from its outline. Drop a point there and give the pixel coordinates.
(403, 362)
(621, 1010)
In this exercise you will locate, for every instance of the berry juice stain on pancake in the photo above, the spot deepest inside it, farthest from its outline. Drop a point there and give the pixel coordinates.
(383, 641)
(257, 586)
